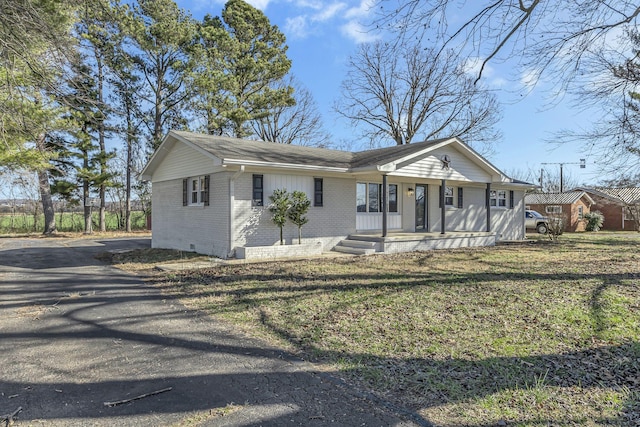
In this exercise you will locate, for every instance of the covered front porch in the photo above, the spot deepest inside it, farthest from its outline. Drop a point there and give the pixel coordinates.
(369, 242)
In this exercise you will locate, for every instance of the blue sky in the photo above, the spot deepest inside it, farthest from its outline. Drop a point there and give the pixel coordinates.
(322, 34)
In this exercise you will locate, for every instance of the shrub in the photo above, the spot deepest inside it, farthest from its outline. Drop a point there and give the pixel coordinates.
(595, 220)
(299, 207)
(280, 204)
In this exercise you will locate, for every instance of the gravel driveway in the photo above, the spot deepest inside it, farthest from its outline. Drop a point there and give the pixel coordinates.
(83, 343)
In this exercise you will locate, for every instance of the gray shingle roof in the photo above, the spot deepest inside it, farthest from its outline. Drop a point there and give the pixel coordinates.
(565, 198)
(381, 156)
(242, 149)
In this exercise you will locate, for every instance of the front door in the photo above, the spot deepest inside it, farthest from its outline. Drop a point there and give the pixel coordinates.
(421, 207)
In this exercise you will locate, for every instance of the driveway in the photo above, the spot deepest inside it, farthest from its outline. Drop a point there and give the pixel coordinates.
(78, 336)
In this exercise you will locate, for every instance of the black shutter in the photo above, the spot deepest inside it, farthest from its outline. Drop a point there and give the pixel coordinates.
(205, 190)
(185, 192)
(258, 185)
(317, 192)
(511, 204)
(441, 196)
(460, 197)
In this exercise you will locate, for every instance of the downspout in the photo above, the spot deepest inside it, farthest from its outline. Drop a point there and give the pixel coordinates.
(232, 210)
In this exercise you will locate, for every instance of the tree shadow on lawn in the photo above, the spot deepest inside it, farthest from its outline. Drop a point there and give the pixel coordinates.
(425, 382)
(422, 383)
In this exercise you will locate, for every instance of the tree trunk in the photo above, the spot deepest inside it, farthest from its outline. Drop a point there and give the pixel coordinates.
(101, 142)
(45, 192)
(127, 195)
(47, 203)
(88, 220)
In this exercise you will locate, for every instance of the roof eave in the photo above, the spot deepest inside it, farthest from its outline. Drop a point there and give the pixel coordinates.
(270, 165)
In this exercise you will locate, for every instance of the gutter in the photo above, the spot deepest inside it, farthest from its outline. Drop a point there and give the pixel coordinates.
(232, 210)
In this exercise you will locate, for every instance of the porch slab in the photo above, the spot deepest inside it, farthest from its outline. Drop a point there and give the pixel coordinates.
(397, 242)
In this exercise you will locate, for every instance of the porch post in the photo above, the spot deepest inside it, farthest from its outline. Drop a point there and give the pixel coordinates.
(384, 205)
(488, 201)
(443, 208)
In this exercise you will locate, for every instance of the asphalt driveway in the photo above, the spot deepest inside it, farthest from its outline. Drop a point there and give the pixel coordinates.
(77, 334)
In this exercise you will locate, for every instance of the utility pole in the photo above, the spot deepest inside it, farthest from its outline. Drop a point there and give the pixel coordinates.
(582, 166)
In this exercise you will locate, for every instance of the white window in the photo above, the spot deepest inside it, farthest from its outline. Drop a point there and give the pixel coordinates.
(197, 191)
(368, 197)
(580, 212)
(448, 196)
(553, 209)
(498, 198)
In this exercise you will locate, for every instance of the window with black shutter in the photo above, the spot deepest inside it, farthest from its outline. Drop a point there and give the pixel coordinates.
(205, 190)
(317, 191)
(185, 192)
(258, 190)
(511, 201)
(460, 197)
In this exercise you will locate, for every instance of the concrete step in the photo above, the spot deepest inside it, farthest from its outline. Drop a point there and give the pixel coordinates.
(358, 244)
(354, 251)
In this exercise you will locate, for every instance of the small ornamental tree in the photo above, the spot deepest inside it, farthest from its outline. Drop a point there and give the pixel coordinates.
(280, 204)
(299, 207)
(595, 220)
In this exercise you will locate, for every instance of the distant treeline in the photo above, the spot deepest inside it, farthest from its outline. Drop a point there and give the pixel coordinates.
(70, 221)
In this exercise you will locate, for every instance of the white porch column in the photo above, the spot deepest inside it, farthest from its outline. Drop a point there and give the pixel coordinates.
(443, 207)
(488, 201)
(385, 205)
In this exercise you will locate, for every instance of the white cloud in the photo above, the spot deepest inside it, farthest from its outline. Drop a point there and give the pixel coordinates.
(362, 10)
(328, 12)
(296, 26)
(358, 33)
(472, 68)
(316, 5)
(529, 79)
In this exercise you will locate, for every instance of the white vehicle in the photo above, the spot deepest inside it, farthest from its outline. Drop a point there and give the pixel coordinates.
(533, 219)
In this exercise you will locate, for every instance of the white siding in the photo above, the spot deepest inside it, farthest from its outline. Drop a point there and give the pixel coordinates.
(509, 223)
(290, 183)
(182, 162)
(201, 229)
(373, 221)
(330, 223)
(472, 216)
(462, 169)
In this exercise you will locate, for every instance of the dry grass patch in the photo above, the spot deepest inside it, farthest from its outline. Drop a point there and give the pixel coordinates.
(543, 334)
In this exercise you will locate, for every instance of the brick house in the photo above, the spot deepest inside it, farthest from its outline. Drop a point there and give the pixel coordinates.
(569, 205)
(619, 206)
(210, 195)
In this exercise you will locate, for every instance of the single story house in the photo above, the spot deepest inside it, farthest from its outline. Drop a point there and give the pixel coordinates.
(569, 205)
(619, 206)
(210, 194)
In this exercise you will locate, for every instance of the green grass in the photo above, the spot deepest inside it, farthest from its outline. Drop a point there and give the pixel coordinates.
(538, 334)
(65, 222)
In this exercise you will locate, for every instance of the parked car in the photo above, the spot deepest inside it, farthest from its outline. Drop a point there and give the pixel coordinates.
(533, 219)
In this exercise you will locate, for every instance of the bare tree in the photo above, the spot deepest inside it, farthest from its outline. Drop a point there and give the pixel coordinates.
(612, 87)
(402, 91)
(545, 35)
(299, 124)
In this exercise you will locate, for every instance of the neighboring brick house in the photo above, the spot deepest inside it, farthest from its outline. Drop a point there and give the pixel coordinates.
(619, 206)
(210, 194)
(569, 205)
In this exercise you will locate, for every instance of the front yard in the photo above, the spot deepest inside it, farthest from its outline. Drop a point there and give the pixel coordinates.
(531, 334)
